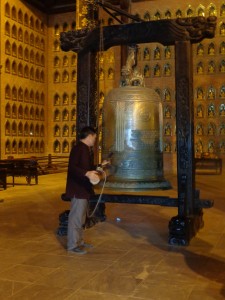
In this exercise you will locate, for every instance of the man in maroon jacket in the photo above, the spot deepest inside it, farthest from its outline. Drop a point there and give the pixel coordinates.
(79, 189)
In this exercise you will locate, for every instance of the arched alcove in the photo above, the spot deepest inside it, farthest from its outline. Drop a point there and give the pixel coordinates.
(14, 93)
(7, 128)
(73, 114)
(65, 115)
(14, 111)
(42, 130)
(14, 32)
(56, 130)
(31, 22)
(26, 146)
(20, 129)
(20, 70)
(37, 25)
(37, 114)
(26, 129)
(32, 113)
(20, 16)
(42, 102)
(37, 130)
(20, 147)
(42, 147)
(20, 52)
(7, 66)
(14, 128)
(20, 34)
(37, 147)
(7, 10)
(42, 115)
(65, 130)
(7, 28)
(26, 20)
(65, 146)
(26, 112)
(14, 13)
(8, 110)
(31, 129)
(65, 99)
(7, 147)
(7, 47)
(14, 147)
(57, 146)
(7, 92)
(26, 37)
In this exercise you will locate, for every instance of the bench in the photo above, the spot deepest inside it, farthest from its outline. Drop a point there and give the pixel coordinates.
(21, 168)
(208, 166)
(26, 168)
(3, 176)
(6, 168)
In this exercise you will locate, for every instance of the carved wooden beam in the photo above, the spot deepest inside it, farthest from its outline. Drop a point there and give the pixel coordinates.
(165, 32)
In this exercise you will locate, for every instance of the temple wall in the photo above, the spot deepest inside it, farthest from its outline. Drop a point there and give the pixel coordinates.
(38, 80)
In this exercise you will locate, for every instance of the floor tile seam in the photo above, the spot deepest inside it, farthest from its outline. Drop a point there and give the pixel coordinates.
(120, 257)
(144, 282)
(82, 285)
(19, 281)
(174, 281)
(51, 269)
(182, 271)
(105, 293)
(169, 282)
(97, 293)
(202, 280)
(101, 271)
(42, 278)
(31, 265)
(110, 247)
(98, 273)
(17, 292)
(46, 252)
(35, 284)
(40, 285)
(120, 252)
(36, 242)
(8, 269)
(95, 273)
(73, 267)
(92, 259)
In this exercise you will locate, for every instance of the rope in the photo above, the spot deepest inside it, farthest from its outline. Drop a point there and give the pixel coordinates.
(100, 196)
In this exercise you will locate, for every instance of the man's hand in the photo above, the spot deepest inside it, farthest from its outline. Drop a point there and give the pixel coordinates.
(105, 162)
(92, 175)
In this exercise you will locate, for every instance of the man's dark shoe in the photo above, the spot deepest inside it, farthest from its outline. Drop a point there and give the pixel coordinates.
(78, 250)
(86, 245)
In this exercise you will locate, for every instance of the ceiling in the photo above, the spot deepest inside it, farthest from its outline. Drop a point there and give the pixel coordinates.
(53, 6)
(59, 6)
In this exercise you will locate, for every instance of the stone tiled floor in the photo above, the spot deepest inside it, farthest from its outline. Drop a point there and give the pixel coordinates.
(131, 258)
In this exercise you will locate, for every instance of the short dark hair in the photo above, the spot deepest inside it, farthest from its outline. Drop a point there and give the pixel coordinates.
(85, 131)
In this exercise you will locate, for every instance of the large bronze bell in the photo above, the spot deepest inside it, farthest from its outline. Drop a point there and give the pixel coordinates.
(132, 131)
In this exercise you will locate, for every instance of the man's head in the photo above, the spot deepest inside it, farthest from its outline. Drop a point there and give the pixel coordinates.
(88, 135)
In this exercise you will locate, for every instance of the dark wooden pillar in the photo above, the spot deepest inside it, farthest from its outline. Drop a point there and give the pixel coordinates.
(185, 225)
(86, 89)
(86, 20)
